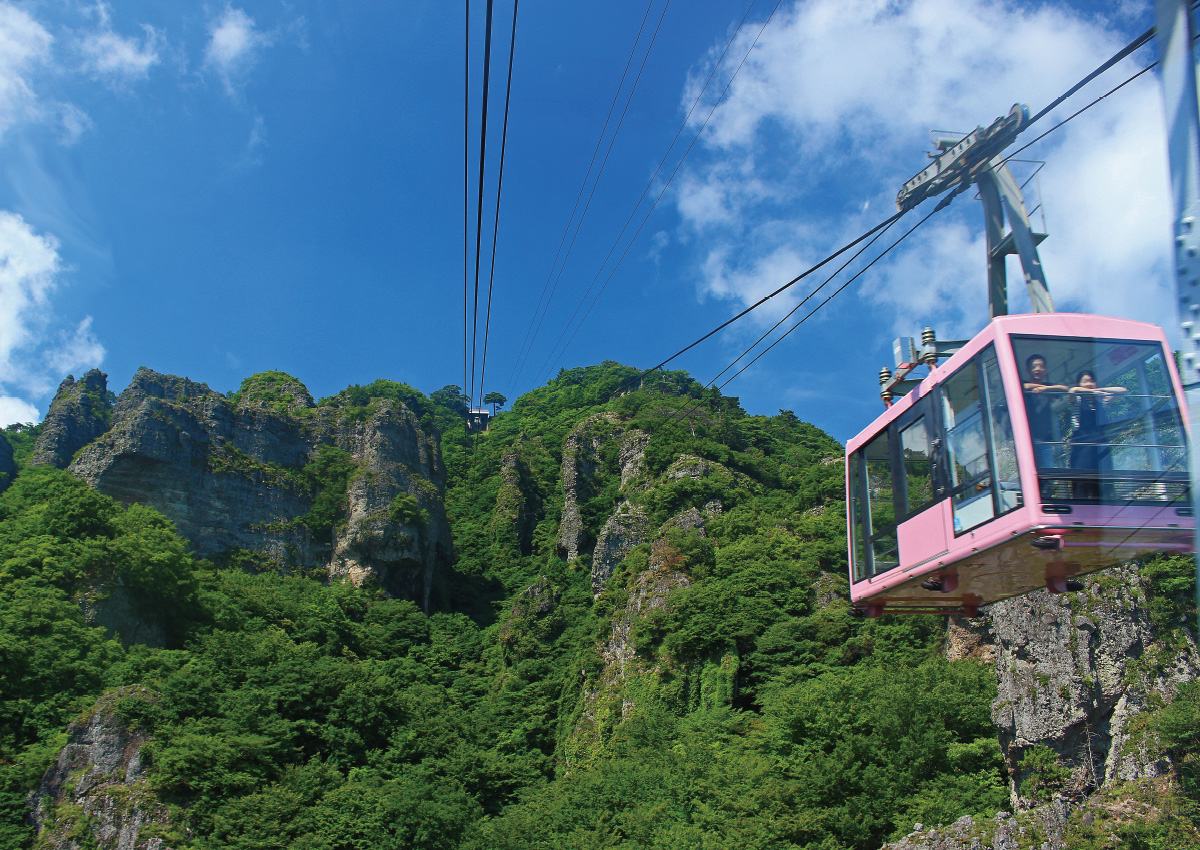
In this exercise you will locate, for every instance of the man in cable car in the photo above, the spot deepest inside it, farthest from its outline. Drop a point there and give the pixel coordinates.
(1039, 406)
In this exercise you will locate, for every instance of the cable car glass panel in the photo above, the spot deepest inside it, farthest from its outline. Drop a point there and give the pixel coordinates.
(1104, 420)
(859, 522)
(1003, 446)
(971, 491)
(918, 466)
(884, 547)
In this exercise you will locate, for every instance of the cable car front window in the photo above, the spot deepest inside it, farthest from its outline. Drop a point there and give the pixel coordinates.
(1104, 419)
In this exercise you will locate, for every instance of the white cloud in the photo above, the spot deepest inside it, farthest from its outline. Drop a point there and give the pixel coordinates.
(34, 351)
(73, 123)
(120, 59)
(77, 349)
(831, 114)
(233, 47)
(24, 45)
(13, 410)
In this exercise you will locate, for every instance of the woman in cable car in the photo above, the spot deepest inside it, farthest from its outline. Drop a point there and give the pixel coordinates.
(1050, 446)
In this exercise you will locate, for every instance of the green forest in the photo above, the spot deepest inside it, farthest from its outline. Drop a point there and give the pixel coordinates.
(285, 712)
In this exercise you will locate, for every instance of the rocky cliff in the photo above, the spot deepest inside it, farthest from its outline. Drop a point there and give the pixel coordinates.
(359, 492)
(1073, 673)
(97, 794)
(1077, 677)
(81, 412)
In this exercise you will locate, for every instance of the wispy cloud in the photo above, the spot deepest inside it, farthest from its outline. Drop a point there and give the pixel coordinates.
(35, 349)
(831, 113)
(24, 45)
(119, 59)
(233, 48)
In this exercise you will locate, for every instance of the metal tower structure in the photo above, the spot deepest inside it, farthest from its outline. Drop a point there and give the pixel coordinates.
(1175, 35)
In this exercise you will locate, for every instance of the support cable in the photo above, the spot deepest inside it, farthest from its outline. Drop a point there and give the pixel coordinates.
(1140, 41)
(1078, 112)
(836, 292)
(679, 414)
(596, 152)
(512, 46)
(646, 218)
(487, 61)
(595, 184)
(792, 312)
(888, 222)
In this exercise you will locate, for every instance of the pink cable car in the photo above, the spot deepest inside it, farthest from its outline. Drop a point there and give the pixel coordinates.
(1049, 446)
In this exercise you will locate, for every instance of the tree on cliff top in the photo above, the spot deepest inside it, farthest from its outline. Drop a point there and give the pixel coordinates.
(496, 400)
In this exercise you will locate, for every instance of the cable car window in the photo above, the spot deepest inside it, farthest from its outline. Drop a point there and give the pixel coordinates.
(884, 546)
(1003, 446)
(918, 466)
(967, 450)
(859, 524)
(1104, 419)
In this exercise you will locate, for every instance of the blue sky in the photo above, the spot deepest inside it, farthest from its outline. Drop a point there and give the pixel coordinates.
(213, 190)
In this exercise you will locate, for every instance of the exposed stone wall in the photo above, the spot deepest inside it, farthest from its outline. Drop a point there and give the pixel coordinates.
(228, 475)
(517, 509)
(96, 794)
(80, 413)
(1073, 671)
(580, 464)
(624, 530)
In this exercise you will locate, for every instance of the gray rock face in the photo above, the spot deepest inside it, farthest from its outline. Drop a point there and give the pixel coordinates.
(624, 530)
(399, 459)
(79, 414)
(1073, 671)
(231, 477)
(632, 457)
(581, 460)
(517, 511)
(96, 793)
(1043, 828)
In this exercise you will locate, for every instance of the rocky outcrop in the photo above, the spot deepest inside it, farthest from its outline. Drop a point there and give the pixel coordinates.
(246, 475)
(1063, 824)
(1073, 671)
(81, 412)
(533, 620)
(96, 794)
(1042, 828)
(632, 458)
(626, 674)
(517, 510)
(580, 464)
(402, 548)
(624, 530)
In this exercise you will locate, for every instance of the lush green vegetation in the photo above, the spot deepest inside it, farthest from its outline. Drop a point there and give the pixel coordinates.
(277, 391)
(756, 711)
(22, 438)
